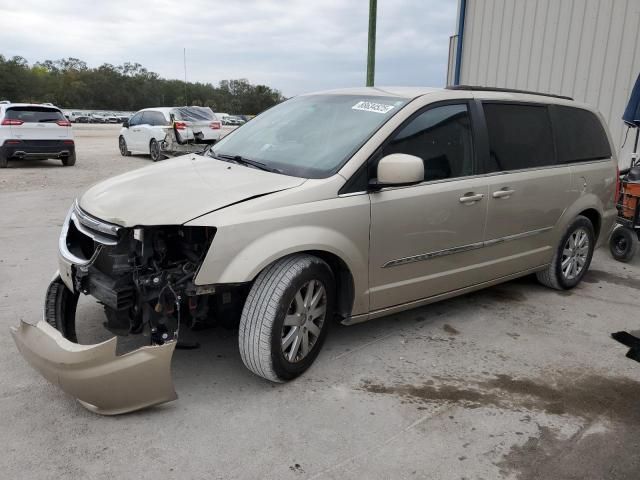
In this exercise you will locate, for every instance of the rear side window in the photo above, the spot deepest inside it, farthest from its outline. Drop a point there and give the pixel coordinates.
(520, 136)
(34, 114)
(441, 136)
(155, 118)
(580, 135)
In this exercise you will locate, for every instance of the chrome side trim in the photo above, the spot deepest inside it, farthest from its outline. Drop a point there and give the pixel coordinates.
(517, 236)
(463, 248)
(89, 232)
(439, 253)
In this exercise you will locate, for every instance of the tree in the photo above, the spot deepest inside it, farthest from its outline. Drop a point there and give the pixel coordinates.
(69, 82)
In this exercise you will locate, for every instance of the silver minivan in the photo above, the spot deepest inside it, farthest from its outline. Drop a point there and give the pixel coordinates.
(344, 206)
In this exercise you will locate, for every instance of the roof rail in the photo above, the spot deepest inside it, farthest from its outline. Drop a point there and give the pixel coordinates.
(507, 90)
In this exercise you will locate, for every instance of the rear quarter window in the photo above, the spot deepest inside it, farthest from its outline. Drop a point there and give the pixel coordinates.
(520, 136)
(580, 135)
(34, 114)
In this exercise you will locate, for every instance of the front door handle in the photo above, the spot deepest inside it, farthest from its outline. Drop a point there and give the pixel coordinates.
(504, 193)
(471, 197)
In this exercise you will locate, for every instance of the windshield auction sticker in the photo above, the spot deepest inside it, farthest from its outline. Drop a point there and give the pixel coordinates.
(372, 107)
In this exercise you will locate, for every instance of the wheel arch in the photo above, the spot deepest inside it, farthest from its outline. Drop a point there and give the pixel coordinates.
(595, 218)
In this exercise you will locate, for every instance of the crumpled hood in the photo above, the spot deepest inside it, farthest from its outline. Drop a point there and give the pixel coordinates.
(175, 191)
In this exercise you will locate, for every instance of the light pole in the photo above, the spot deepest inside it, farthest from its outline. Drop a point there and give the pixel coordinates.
(371, 51)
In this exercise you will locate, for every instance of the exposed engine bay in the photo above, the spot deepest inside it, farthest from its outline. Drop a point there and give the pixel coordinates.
(144, 277)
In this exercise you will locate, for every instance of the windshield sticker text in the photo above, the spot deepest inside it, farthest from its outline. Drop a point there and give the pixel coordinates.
(372, 107)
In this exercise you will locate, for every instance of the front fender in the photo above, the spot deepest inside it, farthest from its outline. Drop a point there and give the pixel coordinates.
(253, 257)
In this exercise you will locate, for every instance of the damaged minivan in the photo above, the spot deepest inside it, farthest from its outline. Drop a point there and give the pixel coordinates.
(340, 206)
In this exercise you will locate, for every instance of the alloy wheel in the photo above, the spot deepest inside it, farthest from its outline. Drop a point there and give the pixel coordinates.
(304, 321)
(575, 254)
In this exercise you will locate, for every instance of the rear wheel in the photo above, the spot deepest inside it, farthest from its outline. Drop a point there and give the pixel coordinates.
(69, 161)
(286, 316)
(623, 244)
(572, 258)
(122, 146)
(4, 161)
(154, 150)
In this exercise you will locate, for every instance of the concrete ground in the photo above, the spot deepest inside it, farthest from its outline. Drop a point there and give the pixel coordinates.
(514, 382)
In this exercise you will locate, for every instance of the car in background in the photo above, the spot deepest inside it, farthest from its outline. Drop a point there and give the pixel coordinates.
(97, 117)
(82, 117)
(110, 117)
(123, 116)
(145, 131)
(34, 131)
(233, 121)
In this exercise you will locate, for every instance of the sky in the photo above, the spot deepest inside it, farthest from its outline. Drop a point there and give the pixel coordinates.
(295, 46)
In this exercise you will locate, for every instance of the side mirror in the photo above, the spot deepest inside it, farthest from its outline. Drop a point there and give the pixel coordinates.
(125, 124)
(398, 169)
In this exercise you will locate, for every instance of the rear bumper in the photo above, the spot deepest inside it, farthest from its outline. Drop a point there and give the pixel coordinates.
(101, 381)
(34, 149)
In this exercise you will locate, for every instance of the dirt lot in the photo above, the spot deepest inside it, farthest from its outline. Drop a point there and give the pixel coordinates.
(516, 381)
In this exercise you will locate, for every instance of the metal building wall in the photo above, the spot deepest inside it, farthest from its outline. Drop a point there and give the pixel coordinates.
(587, 49)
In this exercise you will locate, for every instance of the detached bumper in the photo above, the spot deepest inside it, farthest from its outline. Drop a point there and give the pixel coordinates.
(101, 381)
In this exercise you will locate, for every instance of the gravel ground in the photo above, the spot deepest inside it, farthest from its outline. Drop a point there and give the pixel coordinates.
(514, 382)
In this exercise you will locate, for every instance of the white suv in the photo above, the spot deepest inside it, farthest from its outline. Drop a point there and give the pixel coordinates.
(145, 131)
(32, 131)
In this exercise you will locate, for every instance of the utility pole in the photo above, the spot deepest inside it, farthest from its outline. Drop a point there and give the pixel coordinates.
(184, 53)
(371, 51)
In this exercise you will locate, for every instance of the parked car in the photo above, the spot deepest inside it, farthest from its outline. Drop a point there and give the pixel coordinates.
(111, 117)
(405, 197)
(146, 130)
(233, 121)
(32, 131)
(82, 118)
(97, 117)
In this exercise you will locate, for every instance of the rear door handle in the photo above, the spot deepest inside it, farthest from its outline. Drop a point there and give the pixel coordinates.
(470, 198)
(504, 193)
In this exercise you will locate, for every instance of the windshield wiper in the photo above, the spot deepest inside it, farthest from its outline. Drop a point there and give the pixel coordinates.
(244, 161)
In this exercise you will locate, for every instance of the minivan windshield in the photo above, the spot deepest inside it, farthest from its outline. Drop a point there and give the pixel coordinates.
(309, 136)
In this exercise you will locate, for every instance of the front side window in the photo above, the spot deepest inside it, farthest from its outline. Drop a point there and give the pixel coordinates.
(310, 136)
(155, 118)
(136, 119)
(580, 135)
(441, 137)
(520, 136)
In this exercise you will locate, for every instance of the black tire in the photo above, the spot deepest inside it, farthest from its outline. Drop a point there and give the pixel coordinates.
(154, 150)
(3, 160)
(60, 309)
(262, 323)
(553, 276)
(623, 244)
(69, 161)
(122, 146)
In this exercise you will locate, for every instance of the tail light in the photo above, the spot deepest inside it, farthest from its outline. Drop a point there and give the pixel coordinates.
(11, 121)
(180, 125)
(68, 142)
(215, 125)
(13, 142)
(64, 123)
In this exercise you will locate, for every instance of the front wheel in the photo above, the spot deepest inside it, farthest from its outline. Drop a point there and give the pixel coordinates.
(286, 317)
(623, 244)
(572, 257)
(122, 146)
(60, 309)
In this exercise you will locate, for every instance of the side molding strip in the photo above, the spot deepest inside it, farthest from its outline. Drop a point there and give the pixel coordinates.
(463, 248)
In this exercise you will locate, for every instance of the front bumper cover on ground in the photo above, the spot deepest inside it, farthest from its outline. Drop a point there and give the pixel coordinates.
(101, 381)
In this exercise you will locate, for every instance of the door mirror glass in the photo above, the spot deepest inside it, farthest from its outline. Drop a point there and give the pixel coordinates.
(125, 124)
(399, 169)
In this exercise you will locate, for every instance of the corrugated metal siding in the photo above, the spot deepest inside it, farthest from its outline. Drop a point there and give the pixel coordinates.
(587, 49)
